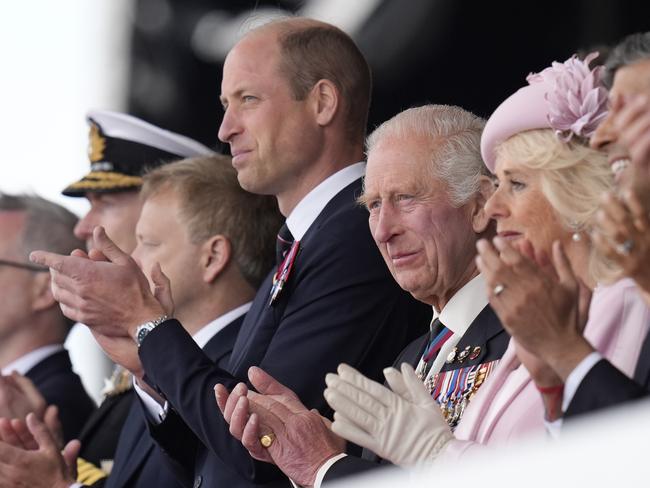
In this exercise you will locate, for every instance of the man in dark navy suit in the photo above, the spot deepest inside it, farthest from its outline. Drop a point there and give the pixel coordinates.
(425, 188)
(296, 95)
(32, 328)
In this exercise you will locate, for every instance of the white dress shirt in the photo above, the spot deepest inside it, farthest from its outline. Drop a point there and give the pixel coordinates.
(457, 315)
(31, 359)
(312, 204)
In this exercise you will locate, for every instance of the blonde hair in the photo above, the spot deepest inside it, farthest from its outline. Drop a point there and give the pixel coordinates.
(573, 178)
(212, 202)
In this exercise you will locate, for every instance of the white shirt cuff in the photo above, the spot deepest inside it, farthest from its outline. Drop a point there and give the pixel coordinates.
(577, 375)
(322, 471)
(155, 412)
(76, 485)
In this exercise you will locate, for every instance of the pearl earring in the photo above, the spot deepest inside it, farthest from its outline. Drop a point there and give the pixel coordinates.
(576, 237)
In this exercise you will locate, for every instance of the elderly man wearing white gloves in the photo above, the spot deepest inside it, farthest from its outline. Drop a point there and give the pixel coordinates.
(425, 188)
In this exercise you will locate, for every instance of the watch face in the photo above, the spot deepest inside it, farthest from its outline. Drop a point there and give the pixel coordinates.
(142, 333)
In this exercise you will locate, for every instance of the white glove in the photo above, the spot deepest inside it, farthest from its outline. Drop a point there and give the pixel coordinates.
(404, 426)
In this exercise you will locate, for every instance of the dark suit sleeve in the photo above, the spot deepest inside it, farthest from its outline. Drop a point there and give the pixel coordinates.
(604, 386)
(187, 377)
(178, 444)
(343, 307)
(350, 465)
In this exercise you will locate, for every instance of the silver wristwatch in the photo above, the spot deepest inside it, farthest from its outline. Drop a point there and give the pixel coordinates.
(142, 330)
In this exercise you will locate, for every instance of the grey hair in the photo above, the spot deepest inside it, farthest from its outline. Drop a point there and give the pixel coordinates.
(455, 136)
(634, 48)
(48, 226)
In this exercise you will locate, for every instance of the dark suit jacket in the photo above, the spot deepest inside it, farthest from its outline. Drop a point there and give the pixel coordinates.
(138, 461)
(605, 386)
(485, 331)
(61, 386)
(101, 431)
(340, 304)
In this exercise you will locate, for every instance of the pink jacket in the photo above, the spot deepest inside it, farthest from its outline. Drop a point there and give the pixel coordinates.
(508, 405)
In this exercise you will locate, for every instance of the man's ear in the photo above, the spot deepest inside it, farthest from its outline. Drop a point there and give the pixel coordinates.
(216, 253)
(480, 219)
(325, 98)
(41, 291)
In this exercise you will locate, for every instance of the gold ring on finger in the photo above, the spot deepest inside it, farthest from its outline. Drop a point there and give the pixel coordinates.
(267, 439)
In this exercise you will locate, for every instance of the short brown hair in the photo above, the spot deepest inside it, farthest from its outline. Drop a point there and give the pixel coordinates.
(311, 51)
(212, 202)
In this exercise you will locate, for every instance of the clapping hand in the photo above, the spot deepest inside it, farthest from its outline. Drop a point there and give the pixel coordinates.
(298, 440)
(402, 424)
(541, 304)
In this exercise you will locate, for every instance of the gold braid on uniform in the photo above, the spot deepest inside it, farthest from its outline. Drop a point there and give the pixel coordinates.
(88, 473)
(105, 179)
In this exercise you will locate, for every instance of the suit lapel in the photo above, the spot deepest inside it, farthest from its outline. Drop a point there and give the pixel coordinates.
(485, 332)
(262, 320)
(135, 435)
(219, 348)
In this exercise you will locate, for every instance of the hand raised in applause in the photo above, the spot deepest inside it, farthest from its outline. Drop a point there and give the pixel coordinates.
(402, 424)
(110, 296)
(302, 439)
(35, 459)
(622, 234)
(544, 308)
(109, 293)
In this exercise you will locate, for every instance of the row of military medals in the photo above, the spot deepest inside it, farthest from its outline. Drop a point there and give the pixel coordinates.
(454, 389)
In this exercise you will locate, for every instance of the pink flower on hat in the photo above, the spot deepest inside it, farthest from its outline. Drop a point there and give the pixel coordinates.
(577, 102)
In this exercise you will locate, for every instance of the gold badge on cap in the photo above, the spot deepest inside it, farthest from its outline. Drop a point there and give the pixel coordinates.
(96, 144)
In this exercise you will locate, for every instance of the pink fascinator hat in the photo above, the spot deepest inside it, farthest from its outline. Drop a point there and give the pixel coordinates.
(566, 97)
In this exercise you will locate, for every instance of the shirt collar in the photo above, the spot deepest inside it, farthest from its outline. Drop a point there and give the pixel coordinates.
(305, 213)
(207, 332)
(24, 363)
(459, 313)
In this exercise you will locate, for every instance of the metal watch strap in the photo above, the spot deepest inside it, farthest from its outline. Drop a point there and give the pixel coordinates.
(143, 329)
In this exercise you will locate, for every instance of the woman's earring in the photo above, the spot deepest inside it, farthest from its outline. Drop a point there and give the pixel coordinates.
(576, 236)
